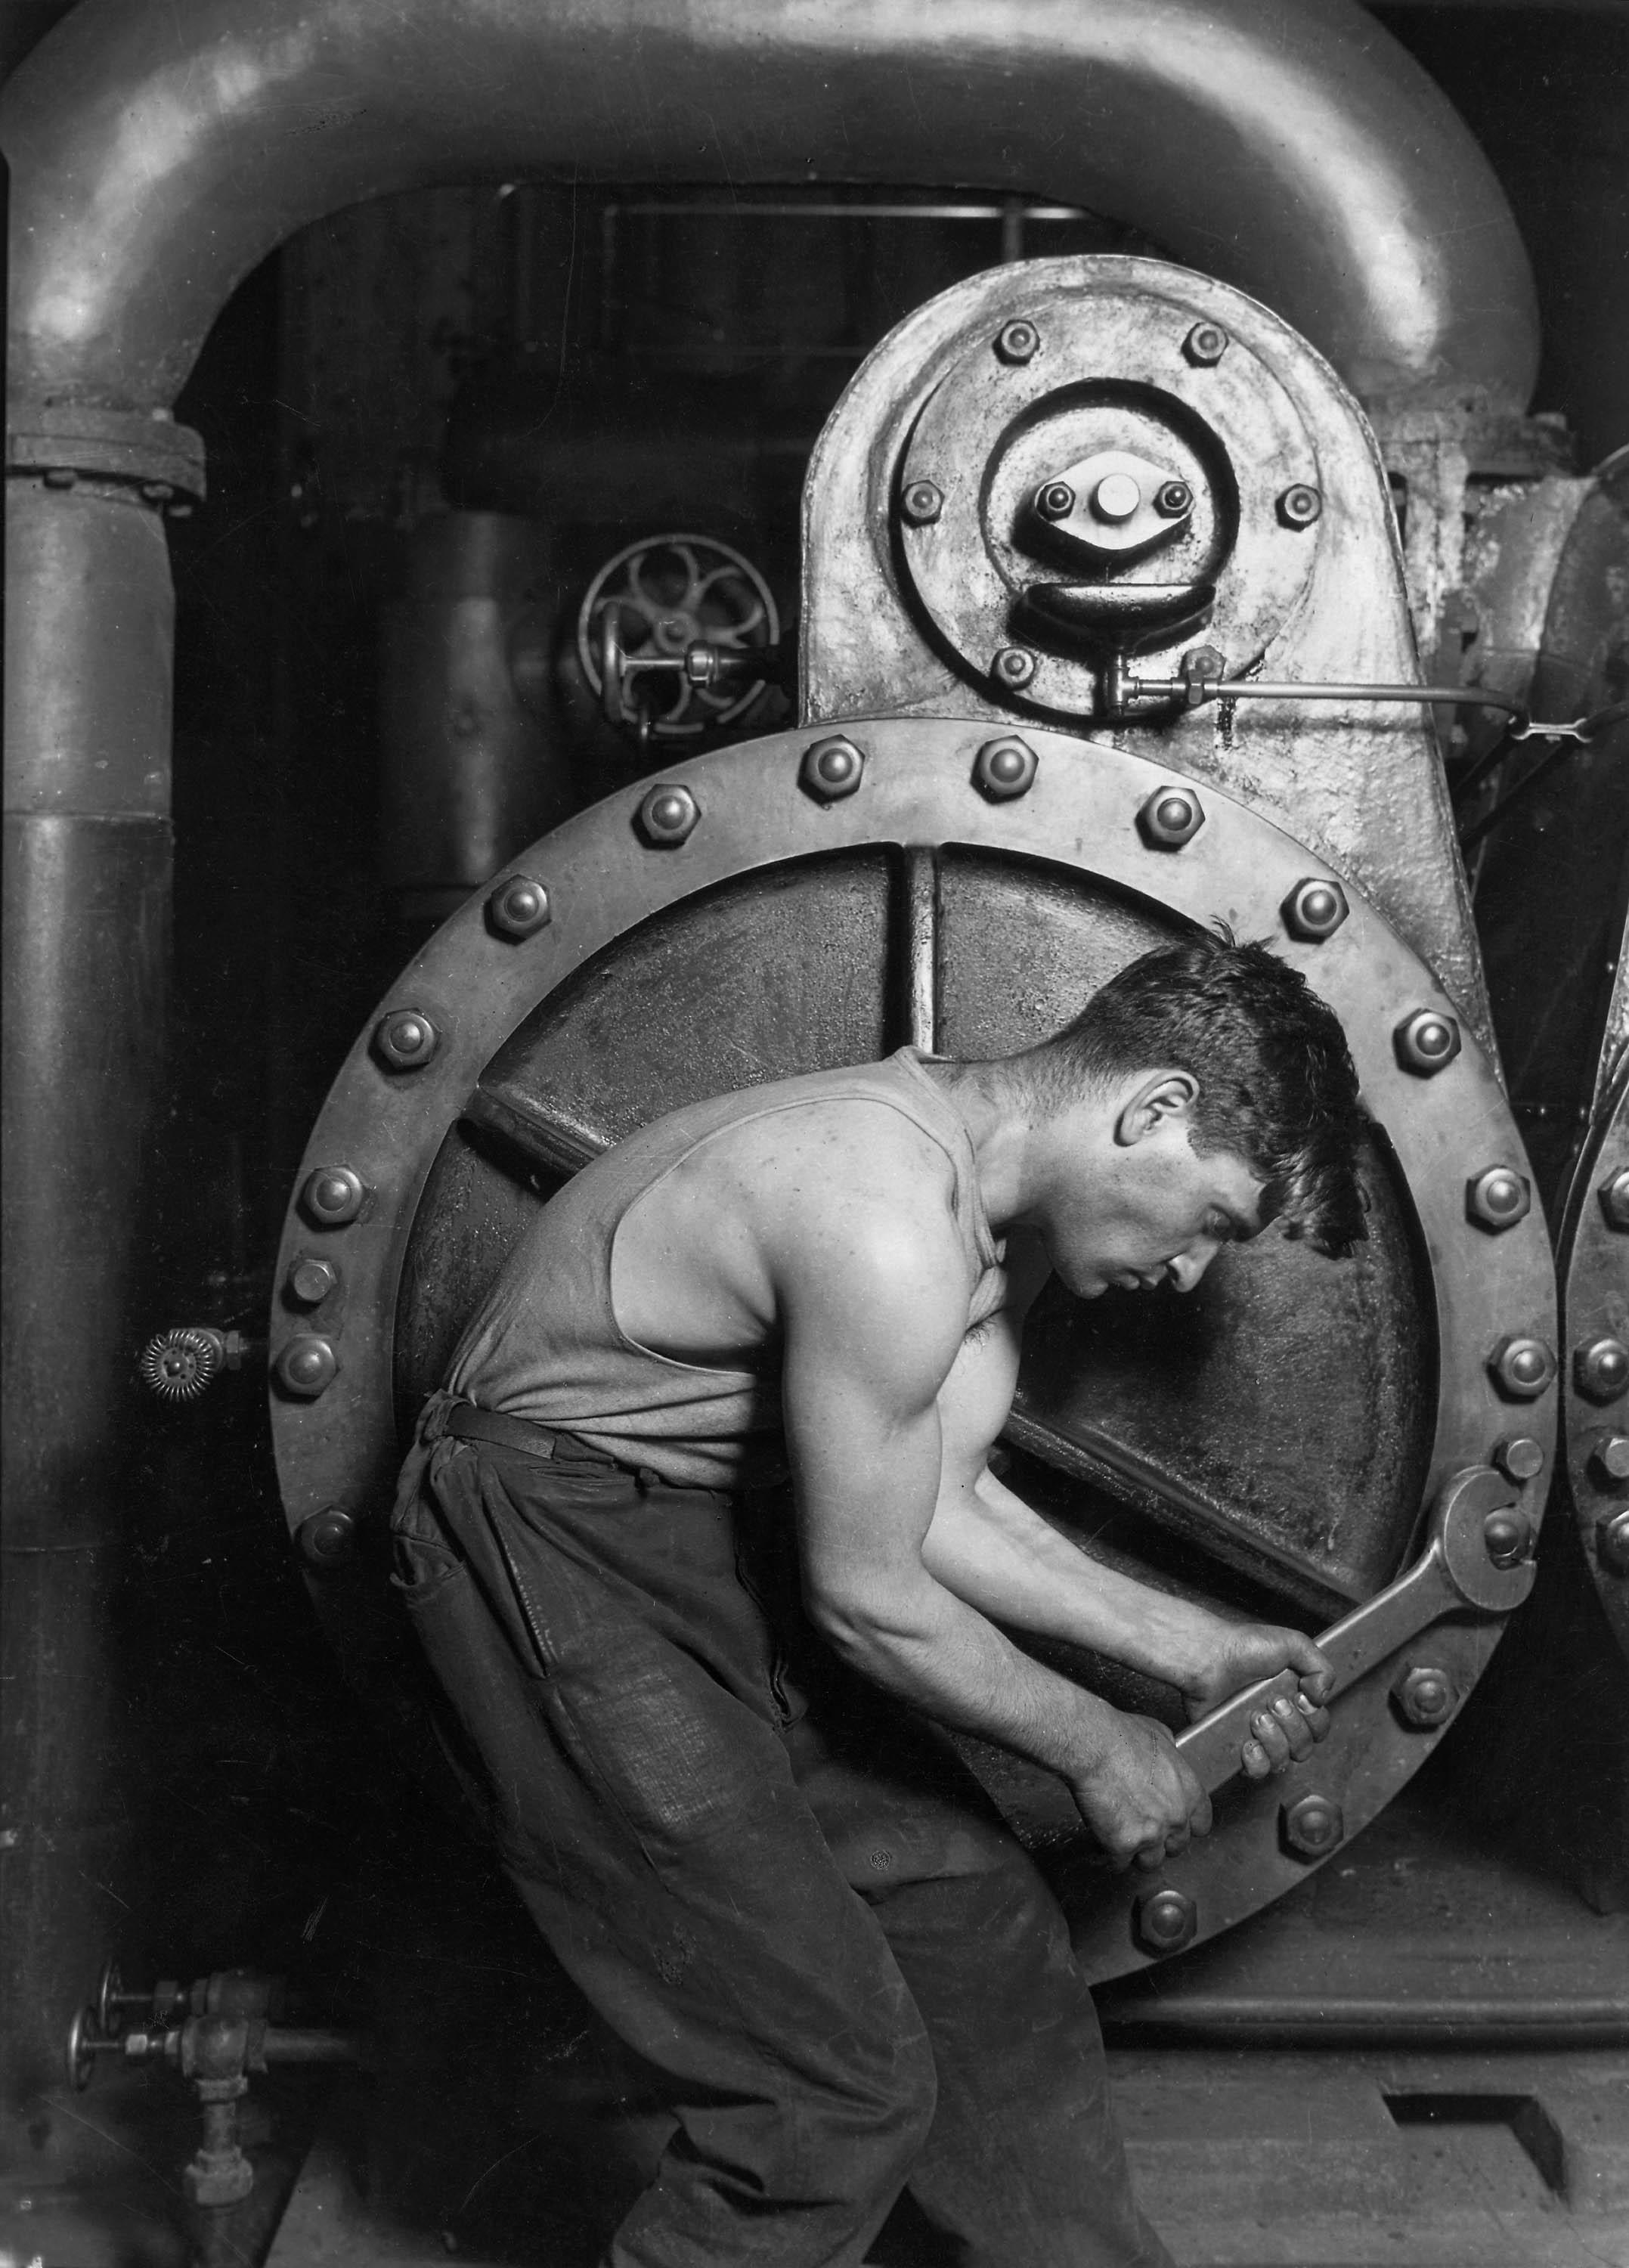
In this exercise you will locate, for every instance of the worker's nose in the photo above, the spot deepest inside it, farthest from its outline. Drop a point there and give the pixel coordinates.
(1187, 1267)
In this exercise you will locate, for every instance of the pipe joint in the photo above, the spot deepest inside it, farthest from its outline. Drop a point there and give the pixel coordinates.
(65, 443)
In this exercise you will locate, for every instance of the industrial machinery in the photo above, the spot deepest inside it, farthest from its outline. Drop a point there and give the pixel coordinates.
(771, 655)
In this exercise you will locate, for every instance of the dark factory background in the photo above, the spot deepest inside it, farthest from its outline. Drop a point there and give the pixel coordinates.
(604, 363)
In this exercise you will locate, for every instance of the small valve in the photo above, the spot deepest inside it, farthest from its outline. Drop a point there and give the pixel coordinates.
(181, 1364)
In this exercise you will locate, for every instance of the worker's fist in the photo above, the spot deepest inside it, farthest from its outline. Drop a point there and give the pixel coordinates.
(1140, 1796)
(1287, 1729)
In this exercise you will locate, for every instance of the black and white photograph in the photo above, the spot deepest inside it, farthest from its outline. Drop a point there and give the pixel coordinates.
(816, 1134)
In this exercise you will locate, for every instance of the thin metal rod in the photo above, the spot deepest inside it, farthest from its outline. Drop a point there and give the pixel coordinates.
(1261, 688)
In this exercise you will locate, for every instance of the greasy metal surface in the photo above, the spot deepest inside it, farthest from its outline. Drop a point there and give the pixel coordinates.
(1363, 785)
(652, 984)
(1595, 1300)
(156, 158)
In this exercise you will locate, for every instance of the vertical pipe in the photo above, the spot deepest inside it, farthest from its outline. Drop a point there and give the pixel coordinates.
(87, 880)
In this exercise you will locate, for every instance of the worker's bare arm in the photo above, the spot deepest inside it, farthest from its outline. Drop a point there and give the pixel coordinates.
(988, 1546)
(872, 1295)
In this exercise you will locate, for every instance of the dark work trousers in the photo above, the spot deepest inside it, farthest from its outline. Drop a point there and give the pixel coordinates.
(776, 1885)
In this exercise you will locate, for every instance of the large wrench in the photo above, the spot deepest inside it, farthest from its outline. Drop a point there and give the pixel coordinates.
(1478, 1554)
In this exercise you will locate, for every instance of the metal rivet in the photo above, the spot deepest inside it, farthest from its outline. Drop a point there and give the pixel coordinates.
(1508, 1538)
(1204, 344)
(306, 1366)
(1611, 1541)
(1425, 1696)
(1005, 768)
(1055, 500)
(1171, 501)
(1497, 1197)
(328, 1538)
(1165, 1920)
(1609, 1455)
(1170, 817)
(1312, 1825)
(667, 816)
(1014, 665)
(830, 768)
(1426, 1041)
(1522, 1368)
(310, 1279)
(61, 477)
(1116, 497)
(1521, 1458)
(1300, 505)
(1314, 909)
(1017, 341)
(405, 1039)
(921, 503)
(332, 1196)
(1601, 1369)
(518, 907)
(157, 491)
(1614, 1196)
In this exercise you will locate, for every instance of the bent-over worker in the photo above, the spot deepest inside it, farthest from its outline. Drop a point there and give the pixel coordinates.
(703, 1712)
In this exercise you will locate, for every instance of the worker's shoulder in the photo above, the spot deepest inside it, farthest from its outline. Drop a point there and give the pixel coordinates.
(859, 1145)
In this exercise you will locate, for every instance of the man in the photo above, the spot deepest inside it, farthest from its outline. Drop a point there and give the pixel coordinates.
(703, 1716)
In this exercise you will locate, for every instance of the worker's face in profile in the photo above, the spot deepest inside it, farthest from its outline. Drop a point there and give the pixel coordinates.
(1152, 1212)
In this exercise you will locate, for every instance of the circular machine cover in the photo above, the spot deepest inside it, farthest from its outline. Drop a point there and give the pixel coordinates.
(1274, 1443)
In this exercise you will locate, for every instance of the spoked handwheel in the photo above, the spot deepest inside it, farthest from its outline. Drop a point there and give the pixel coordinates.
(660, 632)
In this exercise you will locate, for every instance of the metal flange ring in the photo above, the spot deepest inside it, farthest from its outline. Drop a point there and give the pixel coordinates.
(1075, 828)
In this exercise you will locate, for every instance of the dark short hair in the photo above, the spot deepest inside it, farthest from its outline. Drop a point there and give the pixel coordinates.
(1276, 1079)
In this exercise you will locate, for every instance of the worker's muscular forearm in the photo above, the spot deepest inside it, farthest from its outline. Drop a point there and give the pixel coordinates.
(987, 1546)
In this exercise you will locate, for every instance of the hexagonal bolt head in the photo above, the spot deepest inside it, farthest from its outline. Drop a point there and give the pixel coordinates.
(1017, 341)
(668, 817)
(1508, 1538)
(1299, 506)
(328, 1538)
(920, 503)
(331, 1195)
(1608, 1456)
(1311, 1826)
(831, 769)
(1013, 667)
(309, 1280)
(1614, 1196)
(1426, 1041)
(1314, 909)
(405, 1039)
(1424, 1697)
(1611, 1542)
(1054, 499)
(1205, 345)
(518, 907)
(1521, 1458)
(226, 2183)
(1164, 1921)
(1005, 768)
(1601, 1369)
(1173, 499)
(1497, 1197)
(1170, 817)
(306, 1366)
(1522, 1368)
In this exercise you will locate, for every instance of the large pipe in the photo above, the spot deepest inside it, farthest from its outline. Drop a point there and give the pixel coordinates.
(1288, 146)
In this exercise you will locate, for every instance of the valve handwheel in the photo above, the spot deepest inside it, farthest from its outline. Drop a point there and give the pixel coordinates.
(643, 612)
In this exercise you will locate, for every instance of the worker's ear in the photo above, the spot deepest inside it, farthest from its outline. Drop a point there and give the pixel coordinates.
(1158, 1096)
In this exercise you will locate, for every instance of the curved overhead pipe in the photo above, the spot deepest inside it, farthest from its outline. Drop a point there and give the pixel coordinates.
(1290, 147)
